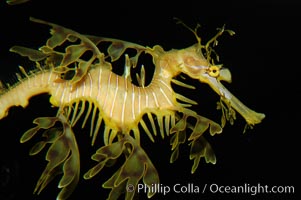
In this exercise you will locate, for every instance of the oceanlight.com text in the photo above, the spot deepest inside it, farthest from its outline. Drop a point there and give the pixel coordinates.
(213, 188)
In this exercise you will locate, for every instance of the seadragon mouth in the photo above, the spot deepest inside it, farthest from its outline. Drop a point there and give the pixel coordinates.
(228, 98)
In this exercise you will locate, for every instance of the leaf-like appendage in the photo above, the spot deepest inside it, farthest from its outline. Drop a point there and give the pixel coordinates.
(57, 153)
(118, 47)
(137, 166)
(180, 125)
(71, 58)
(73, 52)
(70, 170)
(82, 70)
(228, 113)
(29, 134)
(62, 155)
(202, 125)
(175, 141)
(200, 147)
(52, 134)
(60, 55)
(42, 122)
(37, 148)
(103, 155)
(32, 54)
(45, 122)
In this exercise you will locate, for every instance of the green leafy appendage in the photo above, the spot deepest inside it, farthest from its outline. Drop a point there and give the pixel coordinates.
(137, 166)
(62, 155)
(72, 54)
(200, 147)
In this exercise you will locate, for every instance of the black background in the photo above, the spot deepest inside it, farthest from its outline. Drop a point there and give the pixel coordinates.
(263, 56)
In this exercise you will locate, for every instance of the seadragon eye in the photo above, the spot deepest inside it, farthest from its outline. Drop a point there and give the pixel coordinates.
(214, 71)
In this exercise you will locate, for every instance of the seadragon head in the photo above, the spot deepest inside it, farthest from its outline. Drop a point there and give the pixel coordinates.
(197, 62)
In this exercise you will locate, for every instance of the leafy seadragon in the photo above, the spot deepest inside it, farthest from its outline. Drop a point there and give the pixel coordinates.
(78, 75)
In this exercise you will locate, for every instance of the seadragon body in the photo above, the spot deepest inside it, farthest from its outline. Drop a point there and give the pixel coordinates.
(75, 82)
